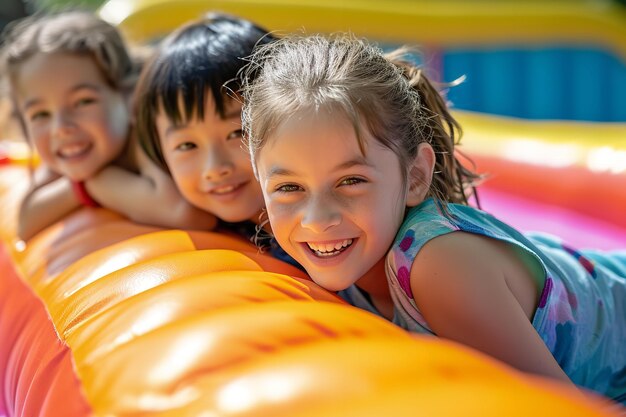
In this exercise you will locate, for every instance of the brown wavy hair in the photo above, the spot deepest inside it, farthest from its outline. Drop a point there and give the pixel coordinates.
(395, 100)
(75, 32)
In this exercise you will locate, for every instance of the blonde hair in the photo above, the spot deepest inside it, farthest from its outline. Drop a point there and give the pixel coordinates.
(398, 104)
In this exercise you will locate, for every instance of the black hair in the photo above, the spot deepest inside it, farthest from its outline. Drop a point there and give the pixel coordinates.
(199, 57)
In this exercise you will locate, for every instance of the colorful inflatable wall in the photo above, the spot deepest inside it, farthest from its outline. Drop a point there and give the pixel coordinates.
(565, 178)
(548, 59)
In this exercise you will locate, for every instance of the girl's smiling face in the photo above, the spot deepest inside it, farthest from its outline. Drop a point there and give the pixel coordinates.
(333, 208)
(208, 163)
(75, 120)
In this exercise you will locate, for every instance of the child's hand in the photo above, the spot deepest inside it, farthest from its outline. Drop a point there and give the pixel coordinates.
(145, 200)
(50, 199)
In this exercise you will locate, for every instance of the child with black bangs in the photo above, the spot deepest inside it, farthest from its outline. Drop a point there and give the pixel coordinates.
(189, 121)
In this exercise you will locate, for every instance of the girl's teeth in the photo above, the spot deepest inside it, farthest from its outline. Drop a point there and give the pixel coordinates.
(329, 249)
(69, 151)
(224, 190)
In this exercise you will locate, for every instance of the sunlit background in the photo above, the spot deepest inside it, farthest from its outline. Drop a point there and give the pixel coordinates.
(554, 78)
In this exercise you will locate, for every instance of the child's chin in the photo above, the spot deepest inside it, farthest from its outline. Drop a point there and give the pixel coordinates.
(328, 283)
(78, 177)
(82, 174)
(229, 218)
(241, 216)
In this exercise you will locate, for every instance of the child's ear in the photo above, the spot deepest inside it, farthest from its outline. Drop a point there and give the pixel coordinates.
(420, 175)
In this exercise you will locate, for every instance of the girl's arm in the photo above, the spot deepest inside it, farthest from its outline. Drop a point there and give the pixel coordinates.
(150, 197)
(50, 199)
(477, 291)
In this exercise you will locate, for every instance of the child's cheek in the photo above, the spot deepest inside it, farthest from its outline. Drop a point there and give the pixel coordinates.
(281, 214)
(37, 137)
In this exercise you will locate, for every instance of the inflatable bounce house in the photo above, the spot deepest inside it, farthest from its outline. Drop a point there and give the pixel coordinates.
(100, 316)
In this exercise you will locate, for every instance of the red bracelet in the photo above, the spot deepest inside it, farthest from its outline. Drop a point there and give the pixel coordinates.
(83, 196)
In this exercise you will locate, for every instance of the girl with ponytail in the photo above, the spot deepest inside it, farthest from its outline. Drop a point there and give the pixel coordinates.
(355, 153)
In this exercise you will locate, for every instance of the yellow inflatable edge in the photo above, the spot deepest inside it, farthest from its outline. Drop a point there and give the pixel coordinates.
(441, 23)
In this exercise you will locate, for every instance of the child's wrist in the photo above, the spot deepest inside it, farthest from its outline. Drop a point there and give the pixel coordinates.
(83, 196)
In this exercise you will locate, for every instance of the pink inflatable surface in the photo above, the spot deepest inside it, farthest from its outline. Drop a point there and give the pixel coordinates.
(528, 215)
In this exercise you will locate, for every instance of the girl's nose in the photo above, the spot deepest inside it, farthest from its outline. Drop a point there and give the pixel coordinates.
(320, 215)
(218, 166)
(62, 125)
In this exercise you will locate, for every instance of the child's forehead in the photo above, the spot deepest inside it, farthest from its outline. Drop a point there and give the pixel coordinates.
(330, 130)
(57, 67)
(320, 148)
(324, 120)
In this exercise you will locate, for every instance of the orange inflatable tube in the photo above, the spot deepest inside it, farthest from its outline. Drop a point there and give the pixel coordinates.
(103, 317)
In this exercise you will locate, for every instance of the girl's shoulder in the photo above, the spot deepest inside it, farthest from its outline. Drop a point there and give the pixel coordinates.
(430, 220)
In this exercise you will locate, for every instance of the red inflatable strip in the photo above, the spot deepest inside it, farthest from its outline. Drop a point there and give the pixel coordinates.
(38, 377)
(601, 195)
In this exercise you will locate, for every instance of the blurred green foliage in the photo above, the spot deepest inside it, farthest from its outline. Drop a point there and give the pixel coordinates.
(64, 4)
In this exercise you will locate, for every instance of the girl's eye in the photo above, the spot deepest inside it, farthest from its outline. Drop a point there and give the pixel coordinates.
(186, 146)
(39, 115)
(288, 188)
(85, 101)
(352, 181)
(235, 134)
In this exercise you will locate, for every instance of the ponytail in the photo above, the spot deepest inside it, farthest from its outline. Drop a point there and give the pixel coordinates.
(452, 181)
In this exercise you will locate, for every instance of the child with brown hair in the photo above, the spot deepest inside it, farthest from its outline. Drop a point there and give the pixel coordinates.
(70, 77)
